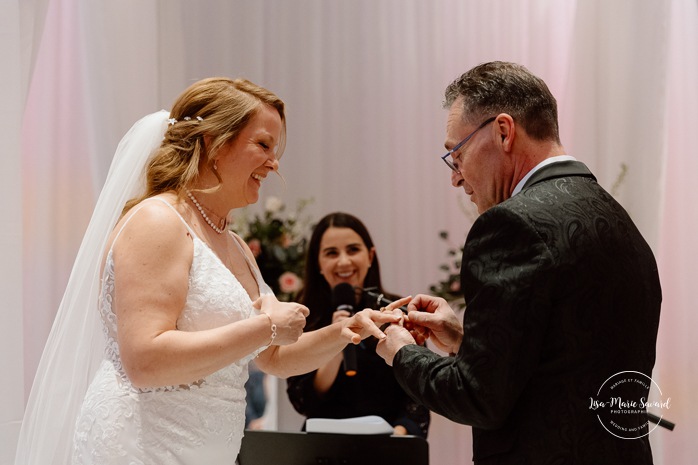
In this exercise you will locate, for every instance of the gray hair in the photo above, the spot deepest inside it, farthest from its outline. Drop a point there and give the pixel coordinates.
(500, 87)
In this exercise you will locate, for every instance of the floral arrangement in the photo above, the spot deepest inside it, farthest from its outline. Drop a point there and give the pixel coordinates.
(278, 240)
(449, 287)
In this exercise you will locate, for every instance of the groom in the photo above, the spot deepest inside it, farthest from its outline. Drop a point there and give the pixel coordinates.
(562, 291)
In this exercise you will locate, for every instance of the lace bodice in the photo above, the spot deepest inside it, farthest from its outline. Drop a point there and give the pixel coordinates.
(191, 423)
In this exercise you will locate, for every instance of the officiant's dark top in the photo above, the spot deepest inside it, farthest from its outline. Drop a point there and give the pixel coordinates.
(372, 391)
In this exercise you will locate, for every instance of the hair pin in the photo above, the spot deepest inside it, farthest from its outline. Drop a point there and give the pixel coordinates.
(172, 121)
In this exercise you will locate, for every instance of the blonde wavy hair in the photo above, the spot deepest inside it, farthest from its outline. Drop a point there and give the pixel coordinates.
(225, 106)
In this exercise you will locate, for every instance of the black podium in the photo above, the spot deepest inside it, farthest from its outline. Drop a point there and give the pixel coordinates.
(282, 448)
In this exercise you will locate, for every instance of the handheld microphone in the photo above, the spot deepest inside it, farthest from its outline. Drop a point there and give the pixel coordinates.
(343, 298)
(380, 299)
(373, 293)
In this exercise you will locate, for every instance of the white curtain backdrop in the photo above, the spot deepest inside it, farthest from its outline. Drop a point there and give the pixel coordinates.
(363, 81)
(11, 362)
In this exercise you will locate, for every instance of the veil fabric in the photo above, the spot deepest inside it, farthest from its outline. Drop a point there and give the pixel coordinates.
(75, 345)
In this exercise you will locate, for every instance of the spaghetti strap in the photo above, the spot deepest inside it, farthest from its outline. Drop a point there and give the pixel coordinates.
(141, 205)
(256, 272)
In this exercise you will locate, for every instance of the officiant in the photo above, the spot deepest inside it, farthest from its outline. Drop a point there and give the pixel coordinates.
(342, 253)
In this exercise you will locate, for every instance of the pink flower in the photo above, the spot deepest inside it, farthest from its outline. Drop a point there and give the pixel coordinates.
(455, 286)
(255, 247)
(289, 282)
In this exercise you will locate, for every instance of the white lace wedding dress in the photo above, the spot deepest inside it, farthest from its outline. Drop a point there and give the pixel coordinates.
(198, 423)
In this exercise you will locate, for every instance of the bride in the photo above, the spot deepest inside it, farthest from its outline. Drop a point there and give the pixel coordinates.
(178, 297)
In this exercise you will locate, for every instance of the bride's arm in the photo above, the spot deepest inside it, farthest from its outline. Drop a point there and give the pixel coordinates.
(151, 273)
(315, 348)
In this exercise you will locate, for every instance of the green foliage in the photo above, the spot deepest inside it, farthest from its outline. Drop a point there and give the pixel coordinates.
(449, 286)
(278, 240)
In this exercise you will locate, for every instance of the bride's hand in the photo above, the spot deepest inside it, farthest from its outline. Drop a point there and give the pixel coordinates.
(289, 318)
(366, 323)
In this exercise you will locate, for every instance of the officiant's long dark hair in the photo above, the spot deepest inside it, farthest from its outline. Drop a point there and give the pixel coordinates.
(316, 293)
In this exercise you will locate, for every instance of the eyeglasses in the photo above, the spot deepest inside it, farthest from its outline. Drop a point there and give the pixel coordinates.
(450, 153)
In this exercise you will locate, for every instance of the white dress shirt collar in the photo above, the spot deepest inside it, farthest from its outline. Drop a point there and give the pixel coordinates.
(540, 165)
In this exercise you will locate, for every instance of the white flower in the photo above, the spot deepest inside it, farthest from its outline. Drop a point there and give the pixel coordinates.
(273, 204)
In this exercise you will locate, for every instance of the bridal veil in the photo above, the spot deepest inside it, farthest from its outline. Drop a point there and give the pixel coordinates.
(75, 344)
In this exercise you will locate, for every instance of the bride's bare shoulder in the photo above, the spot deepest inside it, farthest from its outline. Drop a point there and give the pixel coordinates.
(155, 221)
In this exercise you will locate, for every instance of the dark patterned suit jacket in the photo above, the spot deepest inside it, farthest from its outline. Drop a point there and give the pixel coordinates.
(562, 292)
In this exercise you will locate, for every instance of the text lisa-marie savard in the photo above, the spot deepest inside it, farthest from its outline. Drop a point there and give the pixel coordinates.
(618, 402)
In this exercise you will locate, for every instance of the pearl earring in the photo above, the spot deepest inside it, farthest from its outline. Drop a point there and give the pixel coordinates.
(215, 166)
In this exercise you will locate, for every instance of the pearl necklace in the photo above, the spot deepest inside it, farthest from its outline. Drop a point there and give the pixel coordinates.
(205, 216)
